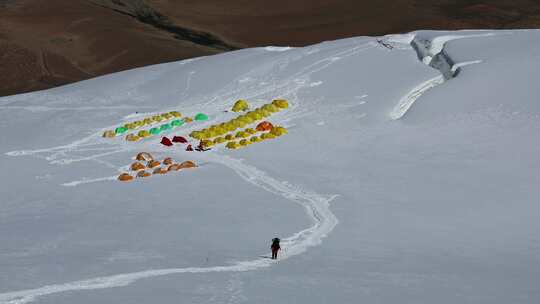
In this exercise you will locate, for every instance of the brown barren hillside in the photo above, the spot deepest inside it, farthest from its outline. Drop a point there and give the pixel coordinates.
(49, 43)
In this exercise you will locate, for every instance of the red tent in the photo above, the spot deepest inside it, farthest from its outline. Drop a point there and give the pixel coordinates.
(264, 126)
(189, 148)
(179, 139)
(166, 142)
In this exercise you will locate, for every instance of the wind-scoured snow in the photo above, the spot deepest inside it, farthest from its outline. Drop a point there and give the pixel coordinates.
(409, 175)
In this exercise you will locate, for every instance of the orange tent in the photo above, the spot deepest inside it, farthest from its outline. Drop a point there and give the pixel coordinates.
(160, 170)
(144, 156)
(174, 167)
(153, 163)
(187, 164)
(168, 161)
(125, 177)
(136, 166)
(264, 126)
(143, 174)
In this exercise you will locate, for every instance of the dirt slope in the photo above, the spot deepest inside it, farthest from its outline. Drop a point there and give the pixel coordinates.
(53, 42)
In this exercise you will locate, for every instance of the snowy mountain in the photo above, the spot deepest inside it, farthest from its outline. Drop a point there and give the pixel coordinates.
(408, 175)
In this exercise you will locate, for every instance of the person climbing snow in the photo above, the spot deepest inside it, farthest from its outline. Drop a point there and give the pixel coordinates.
(275, 248)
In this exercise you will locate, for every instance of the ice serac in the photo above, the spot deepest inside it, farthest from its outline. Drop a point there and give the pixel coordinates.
(432, 52)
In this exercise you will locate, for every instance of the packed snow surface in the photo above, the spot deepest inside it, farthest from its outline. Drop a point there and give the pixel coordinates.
(409, 175)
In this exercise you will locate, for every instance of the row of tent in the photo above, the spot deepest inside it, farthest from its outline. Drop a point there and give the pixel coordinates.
(240, 121)
(146, 166)
(150, 120)
(162, 128)
(275, 132)
(246, 136)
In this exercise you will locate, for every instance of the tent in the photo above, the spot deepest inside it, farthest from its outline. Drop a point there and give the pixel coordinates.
(165, 127)
(160, 170)
(179, 139)
(264, 126)
(240, 105)
(144, 156)
(232, 145)
(201, 116)
(166, 141)
(120, 130)
(177, 122)
(132, 137)
(242, 134)
(109, 134)
(174, 167)
(168, 161)
(125, 177)
(176, 114)
(281, 103)
(144, 133)
(143, 174)
(189, 148)
(187, 164)
(153, 163)
(219, 140)
(155, 131)
(270, 108)
(267, 136)
(136, 166)
(278, 131)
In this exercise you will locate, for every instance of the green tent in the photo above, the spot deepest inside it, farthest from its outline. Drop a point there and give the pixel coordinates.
(165, 127)
(201, 116)
(177, 123)
(120, 130)
(155, 131)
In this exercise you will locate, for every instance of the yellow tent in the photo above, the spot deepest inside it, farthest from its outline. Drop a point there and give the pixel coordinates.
(109, 134)
(132, 137)
(144, 133)
(278, 131)
(219, 140)
(232, 145)
(281, 103)
(240, 105)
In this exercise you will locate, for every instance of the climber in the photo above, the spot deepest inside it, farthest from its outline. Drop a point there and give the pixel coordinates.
(275, 248)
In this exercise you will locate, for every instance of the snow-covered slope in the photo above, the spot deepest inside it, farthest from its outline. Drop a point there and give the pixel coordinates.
(409, 175)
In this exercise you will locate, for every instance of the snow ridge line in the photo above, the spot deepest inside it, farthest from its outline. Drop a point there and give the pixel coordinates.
(317, 207)
(433, 53)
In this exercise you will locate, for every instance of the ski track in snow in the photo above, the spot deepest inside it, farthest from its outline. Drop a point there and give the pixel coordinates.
(316, 205)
